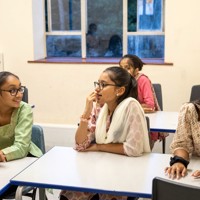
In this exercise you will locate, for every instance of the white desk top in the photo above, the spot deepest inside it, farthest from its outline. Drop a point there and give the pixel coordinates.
(10, 169)
(65, 168)
(162, 121)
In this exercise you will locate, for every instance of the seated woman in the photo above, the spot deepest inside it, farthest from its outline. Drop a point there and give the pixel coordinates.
(118, 127)
(186, 141)
(146, 93)
(16, 119)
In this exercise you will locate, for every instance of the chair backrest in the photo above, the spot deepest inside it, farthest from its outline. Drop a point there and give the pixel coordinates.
(164, 189)
(195, 92)
(38, 137)
(25, 95)
(149, 133)
(158, 90)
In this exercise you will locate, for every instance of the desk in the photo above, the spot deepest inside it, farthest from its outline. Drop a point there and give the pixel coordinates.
(10, 169)
(64, 168)
(162, 121)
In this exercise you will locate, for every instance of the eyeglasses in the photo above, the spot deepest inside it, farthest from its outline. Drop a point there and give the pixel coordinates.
(13, 92)
(102, 85)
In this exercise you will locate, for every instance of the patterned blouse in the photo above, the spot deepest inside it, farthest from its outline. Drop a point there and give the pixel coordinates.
(187, 135)
(133, 145)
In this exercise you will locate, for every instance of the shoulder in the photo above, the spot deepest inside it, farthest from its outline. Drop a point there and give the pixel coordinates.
(24, 105)
(143, 78)
(24, 109)
(133, 104)
(188, 111)
(187, 107)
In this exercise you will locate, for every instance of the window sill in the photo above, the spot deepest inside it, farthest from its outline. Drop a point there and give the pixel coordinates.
(59, 60)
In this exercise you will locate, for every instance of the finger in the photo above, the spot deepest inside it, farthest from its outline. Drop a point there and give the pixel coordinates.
(184, 172)
(168, 171)
(196, 173)
(173, 173)
(178, 173)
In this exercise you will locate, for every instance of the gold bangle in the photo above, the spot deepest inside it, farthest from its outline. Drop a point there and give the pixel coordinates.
(83, 119)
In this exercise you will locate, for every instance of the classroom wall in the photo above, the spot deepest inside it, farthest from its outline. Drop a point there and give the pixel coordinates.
(58, 91)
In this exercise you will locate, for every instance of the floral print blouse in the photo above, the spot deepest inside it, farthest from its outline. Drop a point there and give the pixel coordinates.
(187, 135)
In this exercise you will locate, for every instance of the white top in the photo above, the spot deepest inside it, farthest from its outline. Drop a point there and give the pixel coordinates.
(65, 168)
(163, 121)
(10, 169)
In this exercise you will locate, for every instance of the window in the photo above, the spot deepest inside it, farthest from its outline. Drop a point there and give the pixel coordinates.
(105, 28)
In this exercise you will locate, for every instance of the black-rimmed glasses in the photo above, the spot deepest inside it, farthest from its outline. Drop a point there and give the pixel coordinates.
(102, 85)
(13, 92)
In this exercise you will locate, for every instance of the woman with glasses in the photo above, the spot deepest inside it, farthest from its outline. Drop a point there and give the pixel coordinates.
(117, 126)
(16, 119)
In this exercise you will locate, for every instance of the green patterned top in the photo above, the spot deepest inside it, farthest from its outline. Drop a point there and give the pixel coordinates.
(15, 138)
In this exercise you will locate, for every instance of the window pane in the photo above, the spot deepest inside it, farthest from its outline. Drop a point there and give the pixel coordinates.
(63, 46)
(149, 15)
(104, 35)
(65, 15)
(146, 46)
(132, 15)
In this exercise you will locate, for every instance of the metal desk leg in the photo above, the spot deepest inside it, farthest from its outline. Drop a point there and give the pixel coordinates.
(42, 194)
(18, 194)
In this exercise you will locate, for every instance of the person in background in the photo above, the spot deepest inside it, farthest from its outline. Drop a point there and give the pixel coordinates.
(92, 41)
(113, 121)
(146, 94)
(186, 141)
(114, 47)
(16, 119)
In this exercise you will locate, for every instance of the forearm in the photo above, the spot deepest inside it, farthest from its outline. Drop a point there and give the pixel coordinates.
(182, 153)
(82, 132)
(111, 148)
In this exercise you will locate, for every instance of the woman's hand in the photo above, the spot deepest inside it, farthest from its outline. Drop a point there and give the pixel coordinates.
(2, 157)
(196, 174)
(147, 109)
(176, 171)
(92, 147)
(89, 104)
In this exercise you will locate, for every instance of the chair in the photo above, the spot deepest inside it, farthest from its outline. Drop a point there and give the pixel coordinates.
(148, 128)
(158, 91)
(37, 138)
(25, 95)
(164, 189)
(195, 92)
